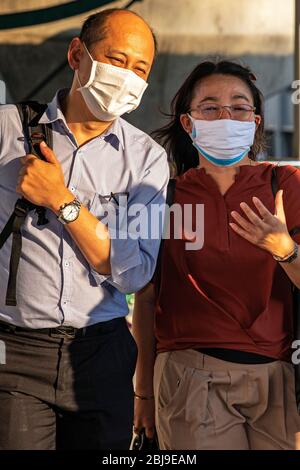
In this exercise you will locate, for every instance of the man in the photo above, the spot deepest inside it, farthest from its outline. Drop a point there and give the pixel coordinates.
(67, 381)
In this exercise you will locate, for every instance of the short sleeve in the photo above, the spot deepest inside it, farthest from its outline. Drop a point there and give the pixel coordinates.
(289, 181)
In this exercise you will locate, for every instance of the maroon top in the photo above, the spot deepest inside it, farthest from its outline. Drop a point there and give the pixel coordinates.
(229, 294)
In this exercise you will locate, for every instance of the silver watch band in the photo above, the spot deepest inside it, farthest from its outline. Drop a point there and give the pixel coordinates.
(74, 201)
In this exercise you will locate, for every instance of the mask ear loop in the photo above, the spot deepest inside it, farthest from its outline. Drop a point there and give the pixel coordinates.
(88, 52)
(193, 133)
(256, 125)
(92, 72)
(78, 79)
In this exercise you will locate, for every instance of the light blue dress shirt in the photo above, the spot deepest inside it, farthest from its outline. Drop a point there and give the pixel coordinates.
(55, 283)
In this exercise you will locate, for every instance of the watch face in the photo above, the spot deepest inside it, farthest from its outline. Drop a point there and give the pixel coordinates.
(70, 212)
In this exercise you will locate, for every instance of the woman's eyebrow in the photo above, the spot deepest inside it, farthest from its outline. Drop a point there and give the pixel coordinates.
(209, 98)
(240, 96)
(216, 98)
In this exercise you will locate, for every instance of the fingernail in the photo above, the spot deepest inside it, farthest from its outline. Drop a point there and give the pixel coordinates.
(43, 144)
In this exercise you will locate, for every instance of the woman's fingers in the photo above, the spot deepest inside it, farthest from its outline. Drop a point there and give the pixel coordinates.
(243, 233)
(251, 215)
(241, 221)
(149, 431)
(264, 212)
(144, 417)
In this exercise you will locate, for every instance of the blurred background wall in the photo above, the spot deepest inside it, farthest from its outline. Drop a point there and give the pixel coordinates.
(259, 33)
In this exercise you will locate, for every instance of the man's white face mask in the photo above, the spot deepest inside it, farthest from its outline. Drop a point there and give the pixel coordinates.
(111, 91)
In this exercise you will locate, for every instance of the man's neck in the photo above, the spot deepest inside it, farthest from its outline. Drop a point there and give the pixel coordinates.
(80, 120)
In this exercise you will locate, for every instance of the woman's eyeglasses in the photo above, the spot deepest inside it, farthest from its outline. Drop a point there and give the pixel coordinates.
(212, 111)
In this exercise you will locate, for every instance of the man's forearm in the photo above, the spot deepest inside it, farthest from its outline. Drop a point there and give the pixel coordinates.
(90, 235)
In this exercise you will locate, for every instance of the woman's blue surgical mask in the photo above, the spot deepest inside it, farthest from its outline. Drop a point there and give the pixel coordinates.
(223, 142)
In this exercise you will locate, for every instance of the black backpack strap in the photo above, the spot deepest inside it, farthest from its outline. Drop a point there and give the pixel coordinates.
(294, 231)
(274, 182)
(30, 113)
(34, 133)
(171, 191)
(13, 226)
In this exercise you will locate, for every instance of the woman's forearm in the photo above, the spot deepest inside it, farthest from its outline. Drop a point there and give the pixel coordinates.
(293, 270)
(143, 332)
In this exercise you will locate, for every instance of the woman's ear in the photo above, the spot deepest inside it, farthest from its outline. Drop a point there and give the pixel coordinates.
(186, 123)
(257, 120)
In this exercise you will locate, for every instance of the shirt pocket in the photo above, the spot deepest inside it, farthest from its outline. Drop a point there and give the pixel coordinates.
(105, 208)
(85, 196)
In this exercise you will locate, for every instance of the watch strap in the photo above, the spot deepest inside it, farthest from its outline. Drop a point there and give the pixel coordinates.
(290, 257)
(75, 201)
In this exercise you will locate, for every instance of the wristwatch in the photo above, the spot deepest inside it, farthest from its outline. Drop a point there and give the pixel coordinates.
(69, 211)
(289, 258)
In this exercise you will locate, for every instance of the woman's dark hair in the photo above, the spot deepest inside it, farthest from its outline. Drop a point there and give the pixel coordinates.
(175, 139)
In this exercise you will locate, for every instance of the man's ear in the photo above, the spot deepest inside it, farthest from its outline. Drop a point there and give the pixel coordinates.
(75, 53)
(186, 123)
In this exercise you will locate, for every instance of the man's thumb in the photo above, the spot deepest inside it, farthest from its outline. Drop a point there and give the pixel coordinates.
(48, 153)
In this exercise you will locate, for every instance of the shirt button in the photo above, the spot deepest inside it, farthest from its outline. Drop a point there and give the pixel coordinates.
(67, 263)
(72, 189)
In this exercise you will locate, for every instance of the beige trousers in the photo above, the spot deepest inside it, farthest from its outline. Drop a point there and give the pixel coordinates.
(206, 403)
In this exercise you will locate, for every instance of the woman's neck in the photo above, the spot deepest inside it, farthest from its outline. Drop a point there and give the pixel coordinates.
(220, 171)
(224, 177)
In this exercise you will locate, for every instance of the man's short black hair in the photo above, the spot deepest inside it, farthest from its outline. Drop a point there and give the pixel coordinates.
(94, 28)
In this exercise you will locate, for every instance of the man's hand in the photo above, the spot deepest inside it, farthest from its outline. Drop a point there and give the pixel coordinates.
(265, 230)
(42, 182)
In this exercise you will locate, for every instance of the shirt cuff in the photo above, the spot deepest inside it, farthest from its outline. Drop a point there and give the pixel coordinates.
(99, 278)
(124, 255)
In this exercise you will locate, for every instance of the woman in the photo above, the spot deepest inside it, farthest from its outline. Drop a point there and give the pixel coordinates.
(217, 334)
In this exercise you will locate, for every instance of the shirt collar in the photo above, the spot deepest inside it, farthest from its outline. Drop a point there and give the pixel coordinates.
(113, 134)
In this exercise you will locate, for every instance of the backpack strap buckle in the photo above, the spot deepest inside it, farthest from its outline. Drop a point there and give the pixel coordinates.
(22, 207)
(37, 137)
